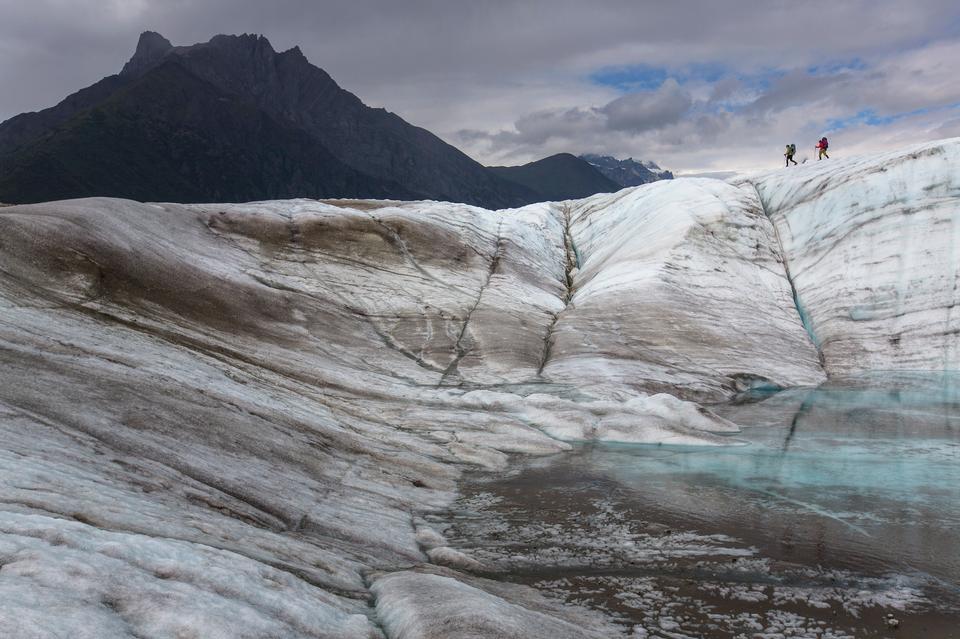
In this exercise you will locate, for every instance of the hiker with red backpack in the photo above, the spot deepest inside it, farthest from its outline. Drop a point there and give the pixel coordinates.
(822, 147)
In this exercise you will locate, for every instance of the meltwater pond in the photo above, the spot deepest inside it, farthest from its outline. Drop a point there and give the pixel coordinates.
(838, 516)
(839, 475)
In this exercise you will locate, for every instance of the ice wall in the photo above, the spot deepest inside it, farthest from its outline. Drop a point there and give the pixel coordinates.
(220, 420)
(873, 249)
(680, 288)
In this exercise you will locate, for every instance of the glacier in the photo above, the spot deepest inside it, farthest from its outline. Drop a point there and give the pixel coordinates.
(229, 420)
(873, 248)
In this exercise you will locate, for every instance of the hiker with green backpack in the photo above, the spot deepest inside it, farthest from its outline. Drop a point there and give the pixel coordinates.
(791, 150)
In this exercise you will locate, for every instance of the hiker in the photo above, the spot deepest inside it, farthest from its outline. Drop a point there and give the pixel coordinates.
(822, 147)
(791, 150)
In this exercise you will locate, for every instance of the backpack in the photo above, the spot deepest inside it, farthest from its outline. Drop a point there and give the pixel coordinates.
(792, 148)
(824, 143)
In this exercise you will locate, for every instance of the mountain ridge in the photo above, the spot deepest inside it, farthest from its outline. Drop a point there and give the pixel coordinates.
(184, 152)
(627, 172)
(287, 88)
(562, 176)
(294, 132)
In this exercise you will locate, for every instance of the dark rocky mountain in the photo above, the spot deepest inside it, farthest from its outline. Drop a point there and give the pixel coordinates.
(231, 120)
(169, 136)
(558, 177)
(627, 172)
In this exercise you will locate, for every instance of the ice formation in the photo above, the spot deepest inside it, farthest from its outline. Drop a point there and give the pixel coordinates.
(873, 248)
(224, 420)
(679, 288)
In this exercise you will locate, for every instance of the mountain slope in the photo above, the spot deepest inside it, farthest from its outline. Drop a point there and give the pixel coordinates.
(388, 157)
(558, 177)
(26, 127)
(170, 136)
(374, 141)
(627, 172)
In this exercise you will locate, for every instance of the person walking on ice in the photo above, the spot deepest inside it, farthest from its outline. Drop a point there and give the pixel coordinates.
(791, 150)
(822, 147)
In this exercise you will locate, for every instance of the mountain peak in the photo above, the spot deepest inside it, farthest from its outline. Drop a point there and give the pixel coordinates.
(151, 48)
(562, 176)
(627, 172)
(232, 119)
(246, 40)
(294, 52)
(561, 156)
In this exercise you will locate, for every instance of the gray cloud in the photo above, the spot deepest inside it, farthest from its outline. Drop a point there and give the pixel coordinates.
(636, 112)
(631, 114)
(725, 88)
(538, 128)
(796, 87)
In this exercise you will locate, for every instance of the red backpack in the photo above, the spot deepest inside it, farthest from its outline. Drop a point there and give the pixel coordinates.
(823, 143)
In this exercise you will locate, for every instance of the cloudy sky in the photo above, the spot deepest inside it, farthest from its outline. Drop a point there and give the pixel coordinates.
(698, 85)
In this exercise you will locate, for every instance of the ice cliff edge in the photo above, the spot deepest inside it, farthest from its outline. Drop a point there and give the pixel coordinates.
(872, 245)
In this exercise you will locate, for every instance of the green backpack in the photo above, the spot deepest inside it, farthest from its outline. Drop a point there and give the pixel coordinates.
(791, 149)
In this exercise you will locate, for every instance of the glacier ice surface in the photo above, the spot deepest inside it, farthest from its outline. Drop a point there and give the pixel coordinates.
(226, 419)
(873, 249)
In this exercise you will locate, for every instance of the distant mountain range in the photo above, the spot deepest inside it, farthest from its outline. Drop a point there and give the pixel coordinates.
(233, 120)
(627, 172)
(558, 177)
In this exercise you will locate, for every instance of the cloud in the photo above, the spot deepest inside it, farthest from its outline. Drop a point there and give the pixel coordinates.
(740, 121)
(794, 88)
(632, 114)
(949, 129)
(643, 111)
(725, 89)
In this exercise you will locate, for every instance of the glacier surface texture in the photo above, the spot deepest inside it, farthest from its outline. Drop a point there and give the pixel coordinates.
(228, 420)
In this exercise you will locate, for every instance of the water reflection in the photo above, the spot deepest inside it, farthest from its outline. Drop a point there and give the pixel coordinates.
(860, 472)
